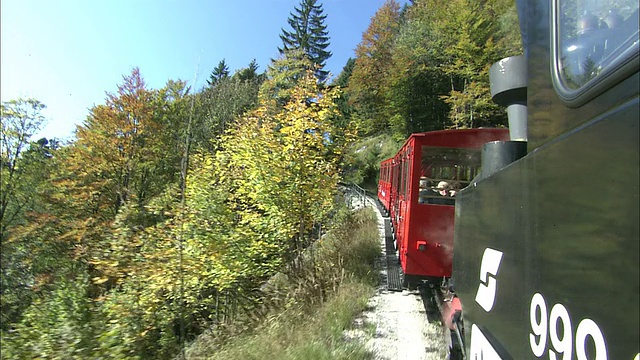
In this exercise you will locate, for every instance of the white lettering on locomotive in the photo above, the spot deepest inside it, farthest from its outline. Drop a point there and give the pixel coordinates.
(490, 265)
(544, 330)
(480, 347)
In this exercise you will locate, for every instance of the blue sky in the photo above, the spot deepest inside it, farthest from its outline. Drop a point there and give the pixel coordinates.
(68, 53)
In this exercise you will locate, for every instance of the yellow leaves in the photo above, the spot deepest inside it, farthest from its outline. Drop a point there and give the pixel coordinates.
(99, 280)
(282, 162)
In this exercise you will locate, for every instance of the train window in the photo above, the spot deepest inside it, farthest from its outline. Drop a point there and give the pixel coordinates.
(593, 38)
(405, 175)
(401, 180)
(395, 176)
(401, 177)
(407, 178)
(445, 171)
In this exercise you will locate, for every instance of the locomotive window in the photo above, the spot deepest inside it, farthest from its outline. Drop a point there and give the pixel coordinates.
(593, 38)
(455, 167)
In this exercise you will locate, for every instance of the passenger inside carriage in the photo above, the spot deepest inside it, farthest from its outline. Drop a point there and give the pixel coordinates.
(440, 195)
(444, 188)
(444, 171)
(425, 192)
(444, 195)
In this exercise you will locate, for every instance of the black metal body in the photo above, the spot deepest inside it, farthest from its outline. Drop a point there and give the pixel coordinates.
(564, 219)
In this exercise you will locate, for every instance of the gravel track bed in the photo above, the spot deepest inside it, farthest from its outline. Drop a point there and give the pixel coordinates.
(395, 326)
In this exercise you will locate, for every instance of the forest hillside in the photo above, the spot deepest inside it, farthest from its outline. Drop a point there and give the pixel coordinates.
(171, 208)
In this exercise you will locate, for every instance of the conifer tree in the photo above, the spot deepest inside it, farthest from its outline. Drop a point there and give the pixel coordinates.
(249, 73)
(308, 33)
(219, 72)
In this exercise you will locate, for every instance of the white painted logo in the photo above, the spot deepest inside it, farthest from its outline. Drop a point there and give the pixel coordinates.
(480, 347)
(486, 294)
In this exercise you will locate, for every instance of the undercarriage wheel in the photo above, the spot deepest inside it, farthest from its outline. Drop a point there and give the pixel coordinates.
(455, 353)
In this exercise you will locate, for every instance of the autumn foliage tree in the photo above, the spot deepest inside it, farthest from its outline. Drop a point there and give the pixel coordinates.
(20, 120)
(464, 39)
(369, 82)
(116, 146)
(425, 67)
(135, 269)
(126, 154)
(22, 174)
(110, 249)
(280, 164)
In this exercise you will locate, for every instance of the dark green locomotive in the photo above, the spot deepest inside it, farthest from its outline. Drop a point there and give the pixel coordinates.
(546, 259)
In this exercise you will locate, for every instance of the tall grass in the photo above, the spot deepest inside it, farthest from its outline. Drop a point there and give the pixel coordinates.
(312, 302)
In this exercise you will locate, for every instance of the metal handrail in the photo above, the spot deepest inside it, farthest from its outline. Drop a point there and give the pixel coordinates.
(360, 193)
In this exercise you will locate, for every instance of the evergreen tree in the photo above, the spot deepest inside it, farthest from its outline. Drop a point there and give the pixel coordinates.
(249, 73)
(219, 72)
(343, 78)
(308, 33)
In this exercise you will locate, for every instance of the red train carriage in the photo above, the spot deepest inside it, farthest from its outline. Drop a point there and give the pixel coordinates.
(418, 188)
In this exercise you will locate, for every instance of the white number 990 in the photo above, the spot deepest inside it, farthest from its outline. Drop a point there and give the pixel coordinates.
(556, 327)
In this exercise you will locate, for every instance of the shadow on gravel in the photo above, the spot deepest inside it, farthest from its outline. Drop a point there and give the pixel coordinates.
(430, 304)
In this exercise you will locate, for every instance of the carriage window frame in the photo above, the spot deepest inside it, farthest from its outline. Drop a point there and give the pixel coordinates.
(397, 175)
(623, 61)
(405, 178)
(457, 166)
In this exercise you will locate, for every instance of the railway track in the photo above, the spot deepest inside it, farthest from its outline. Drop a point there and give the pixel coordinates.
(406, 325)
(435, 299)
